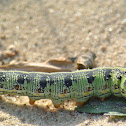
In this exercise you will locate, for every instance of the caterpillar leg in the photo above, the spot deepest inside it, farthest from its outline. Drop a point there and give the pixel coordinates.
(56, 105)
(102, 99)
(31, 102)
(79, 104)
(0, 97)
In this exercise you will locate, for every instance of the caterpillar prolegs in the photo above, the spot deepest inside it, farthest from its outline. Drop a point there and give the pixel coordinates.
(60, 86)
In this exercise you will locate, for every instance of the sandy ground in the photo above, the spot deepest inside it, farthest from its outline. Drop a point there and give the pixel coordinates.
(44, 29)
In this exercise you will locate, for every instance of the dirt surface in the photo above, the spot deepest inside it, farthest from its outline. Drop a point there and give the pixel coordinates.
(44, 29)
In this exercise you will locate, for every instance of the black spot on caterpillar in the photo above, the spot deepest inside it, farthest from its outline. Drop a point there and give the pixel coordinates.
(2, 77)
(107, 74)
(90, 77)
(20, 79)
(43, 81)
(68, 81)
(1, 85)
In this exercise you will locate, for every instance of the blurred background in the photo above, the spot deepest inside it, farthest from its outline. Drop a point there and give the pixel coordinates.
(43, 29)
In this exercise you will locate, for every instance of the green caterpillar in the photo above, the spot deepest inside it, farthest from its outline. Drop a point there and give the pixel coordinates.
(60, 86)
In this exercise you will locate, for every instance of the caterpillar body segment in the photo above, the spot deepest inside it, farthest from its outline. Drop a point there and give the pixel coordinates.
(60, 86)
(123, 86)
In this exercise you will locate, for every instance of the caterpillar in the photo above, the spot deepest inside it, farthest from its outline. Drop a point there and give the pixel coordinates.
(60, 86)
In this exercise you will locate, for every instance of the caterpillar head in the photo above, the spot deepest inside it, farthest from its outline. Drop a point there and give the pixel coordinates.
(123, 86)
